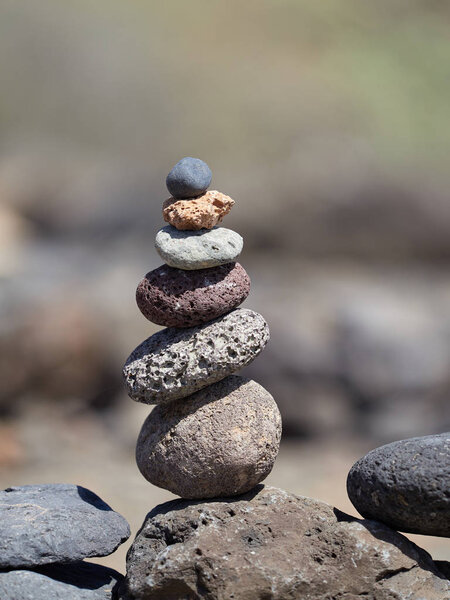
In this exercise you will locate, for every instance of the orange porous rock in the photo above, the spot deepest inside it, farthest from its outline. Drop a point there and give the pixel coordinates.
(203, 212)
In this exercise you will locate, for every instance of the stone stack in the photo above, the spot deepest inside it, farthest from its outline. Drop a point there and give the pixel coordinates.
(212, 433)
(46, 532)
(213, 436)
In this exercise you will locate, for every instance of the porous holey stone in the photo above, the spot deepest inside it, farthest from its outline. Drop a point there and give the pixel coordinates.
(203, 212)
(201, 249)
(174, 363)
(178, 298)
(221, 441)
(55, 523)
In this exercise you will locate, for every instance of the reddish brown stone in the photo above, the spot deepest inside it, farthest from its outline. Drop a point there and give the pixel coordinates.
(178, 298)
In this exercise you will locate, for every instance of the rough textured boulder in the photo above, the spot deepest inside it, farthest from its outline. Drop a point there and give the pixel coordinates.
(179, 298)
(221, 441)
(271, 545)
(405, 484)
(78, 581)
(175, 363)
(198, 249)
(55, 523)
(203, 212)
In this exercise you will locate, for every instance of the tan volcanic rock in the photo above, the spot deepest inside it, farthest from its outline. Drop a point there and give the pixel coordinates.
(203, 212)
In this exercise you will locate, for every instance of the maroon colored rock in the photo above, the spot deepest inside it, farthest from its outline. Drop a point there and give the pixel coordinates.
(178, 298)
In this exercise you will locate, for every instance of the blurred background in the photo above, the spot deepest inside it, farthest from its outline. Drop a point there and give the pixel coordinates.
(327, 122)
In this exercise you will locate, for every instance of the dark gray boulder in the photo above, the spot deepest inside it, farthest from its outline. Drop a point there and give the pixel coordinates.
(406, 485)
(56, 523)
(78, 581)
(272, 545)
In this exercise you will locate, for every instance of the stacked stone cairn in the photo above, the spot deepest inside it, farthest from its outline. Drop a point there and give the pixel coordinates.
(213, 437)
(212, 433)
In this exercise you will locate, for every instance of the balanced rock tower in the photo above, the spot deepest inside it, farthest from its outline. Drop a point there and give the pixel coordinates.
(212, 433)
(214, 436)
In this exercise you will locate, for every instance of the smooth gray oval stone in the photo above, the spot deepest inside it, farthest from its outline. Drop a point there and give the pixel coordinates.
(190, 177)
(191, 250)
(406, 485)
(174, 363)
(55, 523)
(221, 441)
(77, 581)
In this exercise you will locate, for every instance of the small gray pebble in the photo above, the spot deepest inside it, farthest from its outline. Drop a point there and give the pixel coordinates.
(174, 363)
(55, 523)
(405, 485)
(77, 581)
(190, 177)
(221, 441)
(191, 250)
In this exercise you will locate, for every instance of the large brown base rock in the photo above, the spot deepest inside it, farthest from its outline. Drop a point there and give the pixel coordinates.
(271, 545)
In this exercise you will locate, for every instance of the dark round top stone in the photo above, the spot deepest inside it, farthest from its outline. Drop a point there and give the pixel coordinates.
(190, 177)
(178, 298)
(56, 523)
(406, 485)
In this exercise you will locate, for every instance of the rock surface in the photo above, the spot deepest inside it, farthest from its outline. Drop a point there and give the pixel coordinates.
(203, 212)
(178, 298)
(271, 545)
(406, 485)
(53, 523)
(175, 363)
(221, 441)
(198, 249)
(78, 581)
(190, 177)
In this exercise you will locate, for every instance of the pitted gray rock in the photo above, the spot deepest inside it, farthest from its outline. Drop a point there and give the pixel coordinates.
(406, 485)
(190, 250)
(175, 363)
(56, 523)
(272, 545)
(77, 581)
(221, 441)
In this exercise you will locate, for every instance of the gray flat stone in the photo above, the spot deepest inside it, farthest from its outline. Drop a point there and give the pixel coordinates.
(272, 545)
(221, 441)
(175, 363)
(191, 250)
(406, 485)
(78, 581)
(55, 523)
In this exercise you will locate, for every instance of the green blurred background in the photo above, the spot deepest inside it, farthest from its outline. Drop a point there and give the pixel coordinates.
(327, 122)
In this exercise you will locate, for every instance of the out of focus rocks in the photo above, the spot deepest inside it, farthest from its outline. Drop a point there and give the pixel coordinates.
(405, 484)
(174, 363)
(77, 581)
(190, 177)
(56, 523)
(179, 298)
(203, 212)
(273, 545)
(221, 441)
(198, 249)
